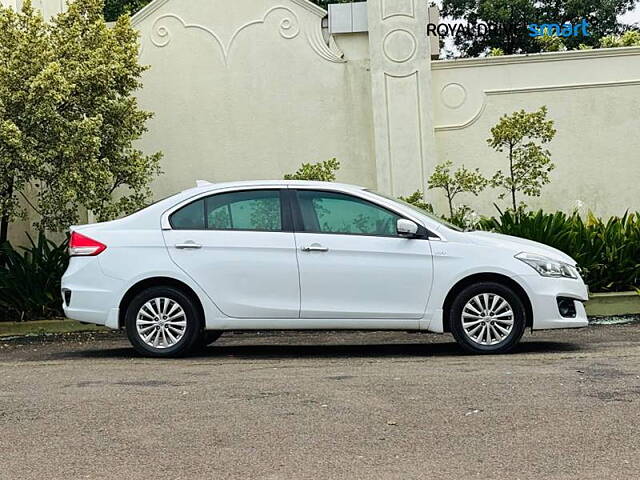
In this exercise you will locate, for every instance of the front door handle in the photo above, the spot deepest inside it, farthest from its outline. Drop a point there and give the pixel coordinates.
(186, 245)
(315, 247)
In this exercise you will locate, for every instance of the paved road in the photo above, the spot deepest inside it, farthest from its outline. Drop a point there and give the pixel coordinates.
(312, 405)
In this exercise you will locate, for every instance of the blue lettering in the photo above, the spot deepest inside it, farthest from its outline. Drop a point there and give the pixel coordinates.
(567, 30)
(534, 30)
(550, 29)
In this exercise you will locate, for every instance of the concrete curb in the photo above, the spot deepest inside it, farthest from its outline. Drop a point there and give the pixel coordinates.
(614, 303)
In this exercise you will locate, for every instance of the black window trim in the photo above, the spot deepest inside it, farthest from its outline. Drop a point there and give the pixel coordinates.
(285, 211)
(298, 223)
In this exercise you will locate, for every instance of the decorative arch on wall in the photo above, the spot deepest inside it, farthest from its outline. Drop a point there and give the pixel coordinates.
(290, 26)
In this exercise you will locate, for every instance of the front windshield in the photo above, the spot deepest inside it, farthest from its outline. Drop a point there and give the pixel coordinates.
(419, 210)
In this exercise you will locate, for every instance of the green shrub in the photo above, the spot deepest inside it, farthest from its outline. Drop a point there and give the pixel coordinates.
(417, 200)
(454, 183)
(607, 252)
(321, 172)
(553, 229)
(30, 279)
(464, 217)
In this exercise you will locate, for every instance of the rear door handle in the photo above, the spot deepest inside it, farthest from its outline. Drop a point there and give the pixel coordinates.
(186, 245)
(314, 247)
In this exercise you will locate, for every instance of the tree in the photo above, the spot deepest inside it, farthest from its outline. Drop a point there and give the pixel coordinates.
(509, 20)
(522, 136)
(550, 43)
(321, 172)
(324, 3)
(68, 117)
(509, 17)
(417, 200)
(461, 181)
(628, 39)
(113, 9)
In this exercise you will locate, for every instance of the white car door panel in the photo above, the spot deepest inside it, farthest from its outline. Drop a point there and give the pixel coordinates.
(353, 264)
(363, 277)
(239, 254)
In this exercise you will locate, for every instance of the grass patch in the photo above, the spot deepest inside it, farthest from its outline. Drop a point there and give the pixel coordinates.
(42, 327)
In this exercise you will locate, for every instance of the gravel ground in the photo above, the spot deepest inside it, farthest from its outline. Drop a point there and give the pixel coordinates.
(323, 405)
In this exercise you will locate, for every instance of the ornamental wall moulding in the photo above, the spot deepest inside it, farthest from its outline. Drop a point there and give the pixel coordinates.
(399, 45)
(453, 95)
(289, 27)
(397, 8)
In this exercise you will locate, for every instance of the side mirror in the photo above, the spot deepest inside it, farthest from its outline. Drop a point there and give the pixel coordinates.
(407, 228)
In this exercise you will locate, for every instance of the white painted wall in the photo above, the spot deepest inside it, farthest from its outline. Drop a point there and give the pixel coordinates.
(276, 102)
(251, 89)
(593, 96)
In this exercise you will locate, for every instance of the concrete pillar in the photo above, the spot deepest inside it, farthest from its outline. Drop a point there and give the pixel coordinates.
(401, 94)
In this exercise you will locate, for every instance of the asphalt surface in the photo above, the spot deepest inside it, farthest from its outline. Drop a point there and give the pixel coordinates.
(323, 405)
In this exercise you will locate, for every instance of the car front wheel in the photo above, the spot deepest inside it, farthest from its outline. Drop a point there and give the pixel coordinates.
(163, 322)
(487, 318)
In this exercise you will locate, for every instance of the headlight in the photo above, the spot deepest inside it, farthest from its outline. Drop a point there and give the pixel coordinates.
(548, 267)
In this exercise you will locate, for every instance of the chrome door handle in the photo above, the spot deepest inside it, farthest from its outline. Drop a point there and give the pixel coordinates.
(187, 245)
(315, 247)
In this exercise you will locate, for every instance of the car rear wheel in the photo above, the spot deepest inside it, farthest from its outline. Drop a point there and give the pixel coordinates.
(487, 318)
(163, 322)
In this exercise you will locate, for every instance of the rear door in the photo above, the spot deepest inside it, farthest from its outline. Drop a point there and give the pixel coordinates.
(240, 248)
(352, 262)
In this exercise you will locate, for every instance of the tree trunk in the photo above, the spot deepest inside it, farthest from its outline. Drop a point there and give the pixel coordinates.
(4, 221)
(4, 225)
(4, 229)
(4, 235)
(513, 181)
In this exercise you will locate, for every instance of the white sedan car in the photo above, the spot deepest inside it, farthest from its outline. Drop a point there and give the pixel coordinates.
(310, 255)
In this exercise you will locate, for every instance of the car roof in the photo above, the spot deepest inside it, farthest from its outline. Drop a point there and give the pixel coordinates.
(204, 186)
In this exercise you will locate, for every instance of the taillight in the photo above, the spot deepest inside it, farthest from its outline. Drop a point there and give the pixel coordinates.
(80, 245)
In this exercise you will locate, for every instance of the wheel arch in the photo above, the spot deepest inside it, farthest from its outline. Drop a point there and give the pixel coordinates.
(160, 281)
(485, 277)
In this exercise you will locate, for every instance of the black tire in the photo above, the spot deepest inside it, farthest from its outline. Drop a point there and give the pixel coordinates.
(192, 317)
(487, 321)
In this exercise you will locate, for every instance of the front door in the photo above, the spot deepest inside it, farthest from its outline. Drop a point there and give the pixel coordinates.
(238, 247)
(352, 262)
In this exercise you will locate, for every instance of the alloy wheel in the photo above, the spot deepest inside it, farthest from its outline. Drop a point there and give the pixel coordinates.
(161, 322)
(487, 319)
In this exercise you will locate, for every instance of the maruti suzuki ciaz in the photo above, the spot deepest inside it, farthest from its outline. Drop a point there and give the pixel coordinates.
(301, 255)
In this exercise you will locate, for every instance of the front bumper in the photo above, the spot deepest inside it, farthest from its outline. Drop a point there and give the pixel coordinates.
(543, 293)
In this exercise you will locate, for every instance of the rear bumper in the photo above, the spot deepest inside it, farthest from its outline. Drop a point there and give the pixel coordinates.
(109, 319)
(92, 296)
(544, 292)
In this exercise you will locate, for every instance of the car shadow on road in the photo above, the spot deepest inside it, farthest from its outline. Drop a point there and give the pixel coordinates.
(281, 351)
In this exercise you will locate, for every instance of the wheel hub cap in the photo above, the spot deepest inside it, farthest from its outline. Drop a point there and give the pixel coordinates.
(161, 323)
(487, 319)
